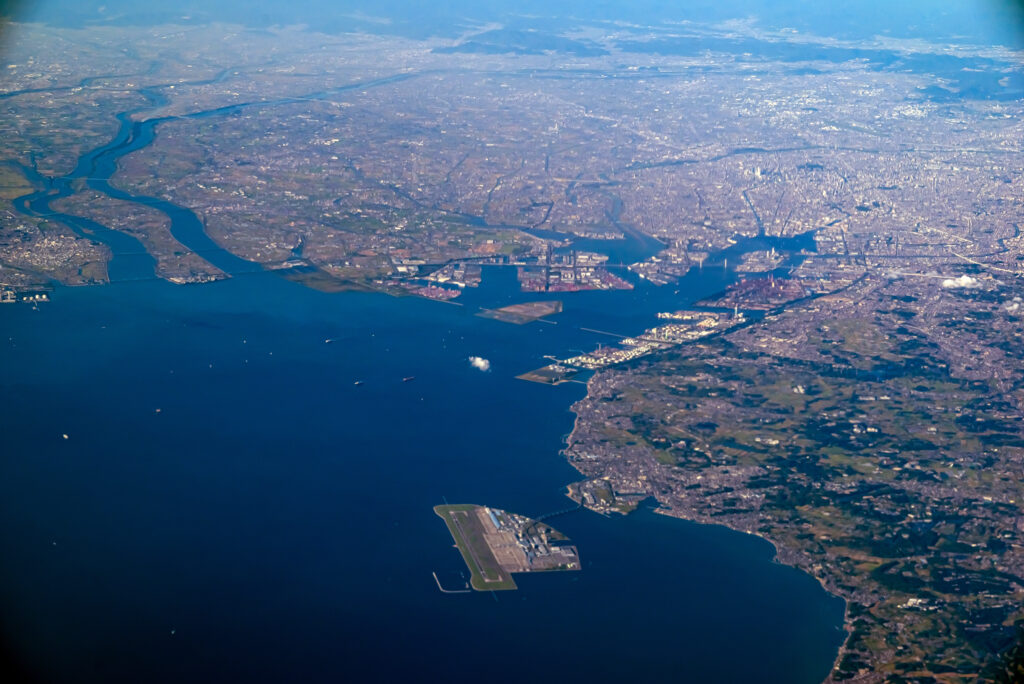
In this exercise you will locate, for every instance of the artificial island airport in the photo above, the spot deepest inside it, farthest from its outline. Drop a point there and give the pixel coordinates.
(495, 544)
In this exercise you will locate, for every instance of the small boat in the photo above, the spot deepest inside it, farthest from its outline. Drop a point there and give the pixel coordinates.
(411, 377)
(357, 383)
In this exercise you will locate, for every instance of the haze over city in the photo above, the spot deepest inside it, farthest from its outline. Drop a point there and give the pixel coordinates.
(564, 341)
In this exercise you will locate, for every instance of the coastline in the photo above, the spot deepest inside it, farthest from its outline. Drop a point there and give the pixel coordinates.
(182, 334)
(782, 555)
(787, 558)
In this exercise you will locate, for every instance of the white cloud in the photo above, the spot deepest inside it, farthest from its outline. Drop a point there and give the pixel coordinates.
(480, 363)
(965, 281)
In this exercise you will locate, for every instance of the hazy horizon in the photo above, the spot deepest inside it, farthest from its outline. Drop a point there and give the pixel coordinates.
(973, 21)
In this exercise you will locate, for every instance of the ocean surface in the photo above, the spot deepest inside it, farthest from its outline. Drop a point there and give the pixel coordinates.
(194, 488)
(229, 506)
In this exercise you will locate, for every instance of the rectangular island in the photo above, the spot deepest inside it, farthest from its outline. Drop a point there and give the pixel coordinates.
(495, 543)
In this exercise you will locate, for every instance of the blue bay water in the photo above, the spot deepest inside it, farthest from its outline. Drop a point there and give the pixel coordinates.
(272, 521)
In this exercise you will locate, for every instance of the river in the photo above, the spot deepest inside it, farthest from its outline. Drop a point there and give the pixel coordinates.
(229, 505)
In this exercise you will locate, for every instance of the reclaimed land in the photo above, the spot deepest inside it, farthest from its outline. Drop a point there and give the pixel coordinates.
(549, 375)
(520, 314)
(318, 279)
(466, 530)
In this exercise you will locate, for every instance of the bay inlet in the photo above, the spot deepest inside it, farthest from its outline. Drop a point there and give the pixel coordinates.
(228, 504)
(237, 500)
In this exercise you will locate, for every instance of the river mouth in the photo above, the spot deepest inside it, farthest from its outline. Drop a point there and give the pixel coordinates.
(237, 497)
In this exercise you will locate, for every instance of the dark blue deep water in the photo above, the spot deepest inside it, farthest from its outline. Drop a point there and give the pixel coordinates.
(272, 521)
